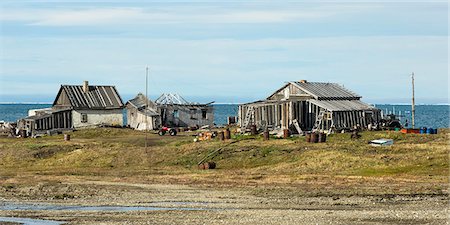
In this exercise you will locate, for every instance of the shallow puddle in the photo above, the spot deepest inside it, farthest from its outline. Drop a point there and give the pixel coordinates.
(28, 221)
(50, 207)
(53, 207)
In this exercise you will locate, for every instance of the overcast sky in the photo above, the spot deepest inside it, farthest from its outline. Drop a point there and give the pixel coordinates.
(225, 52)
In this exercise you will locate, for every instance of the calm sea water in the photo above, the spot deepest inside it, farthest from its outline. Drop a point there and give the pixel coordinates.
(437, 116)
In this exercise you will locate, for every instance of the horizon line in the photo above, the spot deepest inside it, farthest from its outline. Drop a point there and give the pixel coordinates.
(220, 103)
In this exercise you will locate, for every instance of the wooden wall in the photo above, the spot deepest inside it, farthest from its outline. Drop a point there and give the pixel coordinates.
(281, 115)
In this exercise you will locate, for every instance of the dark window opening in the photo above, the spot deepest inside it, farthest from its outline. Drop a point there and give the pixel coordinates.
(193, 114)
(84, 118)
(204, 113)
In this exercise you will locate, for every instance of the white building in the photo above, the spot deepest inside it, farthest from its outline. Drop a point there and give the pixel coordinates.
(77, 106)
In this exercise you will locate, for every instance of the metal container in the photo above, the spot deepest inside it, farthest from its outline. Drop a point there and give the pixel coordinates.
(430, 130)
(253, 130)
(210, 165)
(66, 137)
(266, 135)
(221, 135)
(314, 137)
(308, 137)
(322, 137)
(285, 133)
(423, 130)
(227, 134)
(207, 166)
(23, 133)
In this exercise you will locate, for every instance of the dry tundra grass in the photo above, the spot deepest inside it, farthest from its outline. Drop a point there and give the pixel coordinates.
(415, 164)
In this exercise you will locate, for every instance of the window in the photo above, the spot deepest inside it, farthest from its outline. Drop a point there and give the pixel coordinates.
(175, 113)
(193, 114)
(84, 118)
(204, 113)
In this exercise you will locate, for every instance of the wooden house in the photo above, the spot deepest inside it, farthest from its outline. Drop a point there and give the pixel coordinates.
(304, 106)
(142, 114)
(175, 111)
(78, 106)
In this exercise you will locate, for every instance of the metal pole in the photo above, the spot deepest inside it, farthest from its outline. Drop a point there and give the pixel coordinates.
(146, 106)
(413, 107)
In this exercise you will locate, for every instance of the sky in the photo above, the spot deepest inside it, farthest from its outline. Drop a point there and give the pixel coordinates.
(228, 52)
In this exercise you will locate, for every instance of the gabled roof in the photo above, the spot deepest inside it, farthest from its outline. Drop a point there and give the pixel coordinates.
(140, 102)
(97, 97)
(326, 91)
(322, 91)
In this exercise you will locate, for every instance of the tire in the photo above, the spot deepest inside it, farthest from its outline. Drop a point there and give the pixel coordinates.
(161, 133)
(172, 132)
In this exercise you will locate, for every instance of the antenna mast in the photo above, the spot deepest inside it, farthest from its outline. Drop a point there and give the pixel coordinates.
(146, 106)
(413, 107)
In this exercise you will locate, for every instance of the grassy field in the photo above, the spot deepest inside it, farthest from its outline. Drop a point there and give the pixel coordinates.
(415, 164)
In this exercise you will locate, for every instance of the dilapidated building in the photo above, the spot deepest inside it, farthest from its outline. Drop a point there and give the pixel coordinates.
(304, 106)
(77, 106)
(142, 113)
(175, 111)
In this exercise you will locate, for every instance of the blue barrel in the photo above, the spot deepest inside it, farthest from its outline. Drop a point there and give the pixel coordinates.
(423, 130)
(430, 130)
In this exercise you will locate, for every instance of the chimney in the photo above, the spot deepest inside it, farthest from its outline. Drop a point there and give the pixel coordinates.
(85, 86)
(303, 81)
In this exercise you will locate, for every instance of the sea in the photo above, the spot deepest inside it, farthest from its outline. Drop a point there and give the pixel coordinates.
(435, 116)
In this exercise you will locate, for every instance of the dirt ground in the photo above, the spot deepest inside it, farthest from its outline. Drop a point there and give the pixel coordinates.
(204, 204)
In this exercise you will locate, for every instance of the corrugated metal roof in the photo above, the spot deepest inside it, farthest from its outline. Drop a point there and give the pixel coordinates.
(326, 91)
(176, 99)
(140, 102)
(97, 97)
(171, 99)
(342, 105)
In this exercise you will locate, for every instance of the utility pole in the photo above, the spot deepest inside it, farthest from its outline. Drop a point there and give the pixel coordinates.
(413, 107)
(146, 106)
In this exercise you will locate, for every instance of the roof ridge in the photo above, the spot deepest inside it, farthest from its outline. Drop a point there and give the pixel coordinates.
(73, 85)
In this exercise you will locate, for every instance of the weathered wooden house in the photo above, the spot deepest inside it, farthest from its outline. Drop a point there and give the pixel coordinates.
(78, 106)
(177, 112)
(309, 106)
(142, 113)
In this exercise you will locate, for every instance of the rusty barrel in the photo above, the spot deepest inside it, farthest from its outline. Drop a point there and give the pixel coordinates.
(66, 137)
(314, 137)
(322, 137)
(253, 130)
(266, 135)
(201, 166)
(211, 165)
(285, 133)
(207, 166)
(221, 135)
(227, 134)
(23, 133)
(308, 137)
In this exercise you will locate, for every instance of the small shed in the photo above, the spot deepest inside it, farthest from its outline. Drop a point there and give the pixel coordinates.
(175, 111)
(305, 106)
(142, 113)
